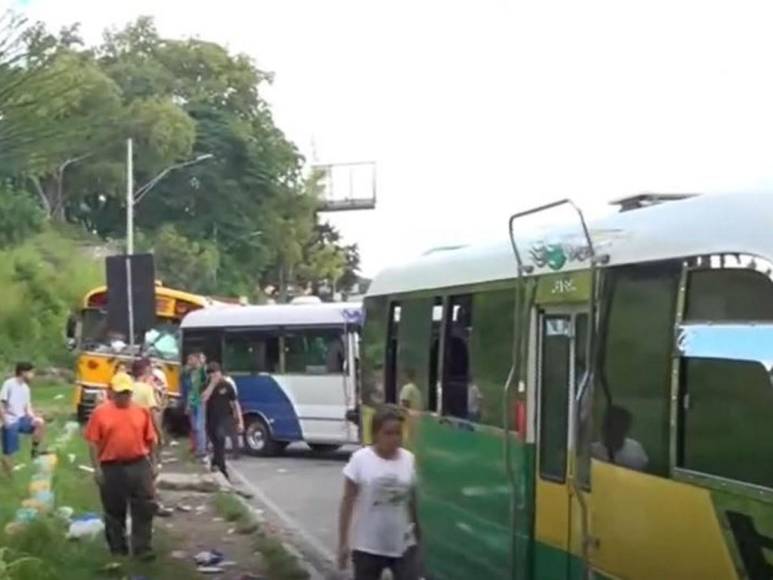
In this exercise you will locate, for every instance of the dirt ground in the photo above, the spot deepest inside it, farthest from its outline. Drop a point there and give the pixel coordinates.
(200, 528)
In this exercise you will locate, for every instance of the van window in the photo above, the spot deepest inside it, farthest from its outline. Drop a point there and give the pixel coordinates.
(314, 351)
(251, 352)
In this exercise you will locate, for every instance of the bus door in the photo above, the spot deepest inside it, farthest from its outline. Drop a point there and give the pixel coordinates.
(560, 366)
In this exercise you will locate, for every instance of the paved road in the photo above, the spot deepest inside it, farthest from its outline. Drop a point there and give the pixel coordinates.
(302, 488)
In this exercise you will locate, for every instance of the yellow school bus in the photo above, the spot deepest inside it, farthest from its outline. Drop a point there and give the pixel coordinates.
(98, 355)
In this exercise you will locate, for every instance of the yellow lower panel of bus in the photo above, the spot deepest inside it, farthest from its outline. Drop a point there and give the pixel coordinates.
(650, 527)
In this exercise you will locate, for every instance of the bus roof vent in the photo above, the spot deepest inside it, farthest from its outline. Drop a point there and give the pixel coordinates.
(641, 200)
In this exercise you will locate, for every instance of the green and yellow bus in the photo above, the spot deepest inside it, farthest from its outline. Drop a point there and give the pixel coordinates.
(598, 400)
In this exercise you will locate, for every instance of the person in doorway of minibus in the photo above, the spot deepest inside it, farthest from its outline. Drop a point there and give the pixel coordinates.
(222, 412)
(122, 439)
(410, 394)
(378, 528)
(17, 415)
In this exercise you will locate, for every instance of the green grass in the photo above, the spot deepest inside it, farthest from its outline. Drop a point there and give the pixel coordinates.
(52, 556)
(280, 564)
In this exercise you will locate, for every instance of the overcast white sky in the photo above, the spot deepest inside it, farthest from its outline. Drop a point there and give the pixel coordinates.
(474, 109)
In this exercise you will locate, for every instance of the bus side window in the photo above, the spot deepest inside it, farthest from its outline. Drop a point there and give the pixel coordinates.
(251, 352)
(373, 350)
(414, 350)
(314, 351)
(491, 353)
(631, 411)
(456, 359)
(727, 385)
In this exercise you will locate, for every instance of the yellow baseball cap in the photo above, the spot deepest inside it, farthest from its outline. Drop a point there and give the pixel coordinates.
(121, 383)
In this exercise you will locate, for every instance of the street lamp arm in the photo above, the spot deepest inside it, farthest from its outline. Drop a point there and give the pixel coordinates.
(143, 191)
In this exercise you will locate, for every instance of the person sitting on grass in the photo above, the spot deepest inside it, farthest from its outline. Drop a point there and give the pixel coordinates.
(17, 415)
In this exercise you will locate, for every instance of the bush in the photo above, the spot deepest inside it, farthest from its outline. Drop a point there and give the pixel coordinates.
(41, 281)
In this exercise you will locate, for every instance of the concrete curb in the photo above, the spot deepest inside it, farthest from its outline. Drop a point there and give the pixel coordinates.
(288, 524)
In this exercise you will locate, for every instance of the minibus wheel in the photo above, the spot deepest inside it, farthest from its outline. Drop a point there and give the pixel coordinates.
(257, 437)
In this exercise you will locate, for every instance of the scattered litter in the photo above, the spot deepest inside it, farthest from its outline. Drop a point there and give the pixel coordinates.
(86, 526)
(59, 397)
(228, 564)
(65, 512)
(210, 570)
(112, 567)
(164, 512)
(184, 508)
(208, 558)
(169, 526)
(218, 519)
(232, 531)
(71, 457)
(170, 460)
(19, 467)
(173, 443)
(200, 509)
(179, 555)
(281, 470)
(86, 468)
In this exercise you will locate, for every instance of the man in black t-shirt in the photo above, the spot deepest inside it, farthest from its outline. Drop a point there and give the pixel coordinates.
(223, 411)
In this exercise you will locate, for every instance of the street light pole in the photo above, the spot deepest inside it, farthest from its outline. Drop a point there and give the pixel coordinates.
(129, 197)
(132, 198)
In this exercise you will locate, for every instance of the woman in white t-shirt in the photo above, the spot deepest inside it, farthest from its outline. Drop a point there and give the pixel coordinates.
(380, 495)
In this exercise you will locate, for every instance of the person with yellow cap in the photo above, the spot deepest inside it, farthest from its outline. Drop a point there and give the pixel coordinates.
(122, 439)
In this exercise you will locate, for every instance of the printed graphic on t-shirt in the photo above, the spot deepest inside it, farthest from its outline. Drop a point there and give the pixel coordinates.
(389, 491)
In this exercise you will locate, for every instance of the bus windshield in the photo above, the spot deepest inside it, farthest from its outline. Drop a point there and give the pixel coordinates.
(161, 341)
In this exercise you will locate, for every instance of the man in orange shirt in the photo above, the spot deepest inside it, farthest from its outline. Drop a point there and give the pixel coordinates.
(122, 439)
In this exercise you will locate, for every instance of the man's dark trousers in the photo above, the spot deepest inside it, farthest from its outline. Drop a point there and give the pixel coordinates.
(128, 485)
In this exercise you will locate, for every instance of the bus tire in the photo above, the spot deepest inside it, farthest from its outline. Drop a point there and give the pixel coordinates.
(321, 448)
(257, 438)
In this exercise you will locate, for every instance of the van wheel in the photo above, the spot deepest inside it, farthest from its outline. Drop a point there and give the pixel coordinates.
(321, 448)
(257, 438)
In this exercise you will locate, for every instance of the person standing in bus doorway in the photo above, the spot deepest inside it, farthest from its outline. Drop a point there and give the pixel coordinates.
(17, 415)
(410, 394)
(222, 409)
(121, 441)
(194, 381)
(380, 495)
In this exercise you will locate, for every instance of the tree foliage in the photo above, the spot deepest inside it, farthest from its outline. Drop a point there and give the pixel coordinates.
(232, 225)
